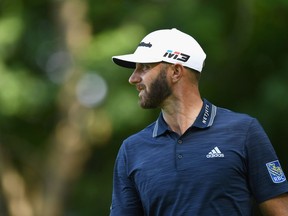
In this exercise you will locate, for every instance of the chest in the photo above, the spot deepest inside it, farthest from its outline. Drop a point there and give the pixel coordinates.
(195, 164)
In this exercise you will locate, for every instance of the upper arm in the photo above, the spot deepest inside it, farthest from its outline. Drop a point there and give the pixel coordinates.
(125, 198)
(277, 206)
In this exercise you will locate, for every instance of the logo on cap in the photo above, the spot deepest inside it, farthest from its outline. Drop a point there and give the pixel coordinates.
(177, 55)
(143, 44)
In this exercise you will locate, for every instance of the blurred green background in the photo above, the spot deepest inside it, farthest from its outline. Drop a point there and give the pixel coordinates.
(65, 108)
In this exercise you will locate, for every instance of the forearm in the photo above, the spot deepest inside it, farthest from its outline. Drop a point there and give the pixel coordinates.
(277, 206)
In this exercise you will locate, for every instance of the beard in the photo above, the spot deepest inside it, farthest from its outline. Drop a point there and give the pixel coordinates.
(159, 91)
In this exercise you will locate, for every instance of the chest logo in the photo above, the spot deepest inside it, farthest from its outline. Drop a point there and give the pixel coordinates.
(275, 171)
(215, 152)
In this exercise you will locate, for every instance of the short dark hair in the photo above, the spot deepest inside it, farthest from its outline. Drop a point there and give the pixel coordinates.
(196, 74)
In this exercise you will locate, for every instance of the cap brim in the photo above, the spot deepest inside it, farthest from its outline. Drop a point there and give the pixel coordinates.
(130, 60)
(126, 61)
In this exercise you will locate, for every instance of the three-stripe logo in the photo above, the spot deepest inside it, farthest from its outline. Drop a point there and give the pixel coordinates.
(215, 152)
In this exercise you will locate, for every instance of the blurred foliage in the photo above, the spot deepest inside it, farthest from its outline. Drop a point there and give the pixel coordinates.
(58, 151)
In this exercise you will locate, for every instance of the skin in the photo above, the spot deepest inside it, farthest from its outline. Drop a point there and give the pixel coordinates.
(182, 105)
(174, 89)
(277, 206)
(158, 90)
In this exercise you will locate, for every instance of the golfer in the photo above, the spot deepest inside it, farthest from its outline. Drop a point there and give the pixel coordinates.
(196, 159)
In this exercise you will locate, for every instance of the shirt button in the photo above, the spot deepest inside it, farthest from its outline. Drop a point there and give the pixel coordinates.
(179, 156)
(180, 141)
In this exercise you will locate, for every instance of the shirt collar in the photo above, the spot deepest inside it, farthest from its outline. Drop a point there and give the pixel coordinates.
(205, 119)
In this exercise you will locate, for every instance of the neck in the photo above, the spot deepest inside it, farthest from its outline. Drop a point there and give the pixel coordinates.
(181, 114)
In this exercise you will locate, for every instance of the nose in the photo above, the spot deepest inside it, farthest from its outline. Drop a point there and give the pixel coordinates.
(134, 78)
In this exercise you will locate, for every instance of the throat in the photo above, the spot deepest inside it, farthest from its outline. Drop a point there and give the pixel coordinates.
(180, 125)
(179, 120)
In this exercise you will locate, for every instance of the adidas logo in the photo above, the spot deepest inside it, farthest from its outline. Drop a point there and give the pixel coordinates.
(215, 152)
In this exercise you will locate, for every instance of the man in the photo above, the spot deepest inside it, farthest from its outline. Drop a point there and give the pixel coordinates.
(196, 159)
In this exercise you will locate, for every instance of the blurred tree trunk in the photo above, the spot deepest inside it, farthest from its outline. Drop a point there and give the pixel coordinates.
(69, 148)
(14, 188)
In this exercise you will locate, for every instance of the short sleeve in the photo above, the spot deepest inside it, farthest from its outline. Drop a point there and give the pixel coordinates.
(125, 198)
(265, 176)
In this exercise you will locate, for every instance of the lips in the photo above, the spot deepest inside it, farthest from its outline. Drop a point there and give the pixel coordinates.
(140, 87)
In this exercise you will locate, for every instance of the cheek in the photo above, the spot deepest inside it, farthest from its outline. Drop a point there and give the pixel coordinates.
(147, 80)
(170, 78)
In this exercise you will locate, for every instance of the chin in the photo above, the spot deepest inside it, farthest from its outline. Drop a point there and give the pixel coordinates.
(147, 106)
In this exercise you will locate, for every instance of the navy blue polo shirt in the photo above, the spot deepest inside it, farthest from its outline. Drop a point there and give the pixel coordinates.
(217, 167)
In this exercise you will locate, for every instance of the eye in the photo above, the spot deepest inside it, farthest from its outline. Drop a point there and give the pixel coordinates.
(145, 66)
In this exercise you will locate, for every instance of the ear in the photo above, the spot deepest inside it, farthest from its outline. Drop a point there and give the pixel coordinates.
(177, 73)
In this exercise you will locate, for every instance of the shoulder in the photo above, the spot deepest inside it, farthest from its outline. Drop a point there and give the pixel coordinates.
(145, 135)
(231, 118)
(239, 124)
(137, 144)
(232, 115)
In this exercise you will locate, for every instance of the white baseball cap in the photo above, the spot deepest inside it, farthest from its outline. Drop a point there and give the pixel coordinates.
(167, 45)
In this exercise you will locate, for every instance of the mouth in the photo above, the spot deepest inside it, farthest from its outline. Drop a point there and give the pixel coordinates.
(140, 88)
